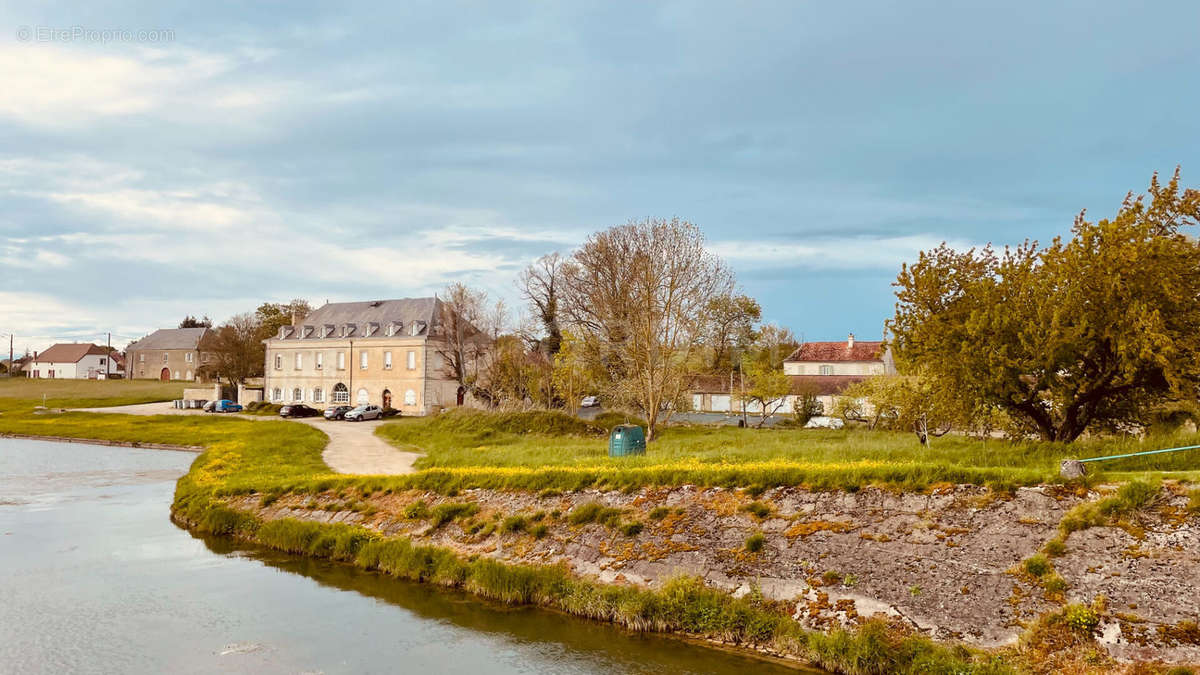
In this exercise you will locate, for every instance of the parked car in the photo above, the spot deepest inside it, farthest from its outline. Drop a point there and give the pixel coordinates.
(337, 412)
(824, 422)
(589, 402)
(364, 412)
(298, 410)
(222, 406)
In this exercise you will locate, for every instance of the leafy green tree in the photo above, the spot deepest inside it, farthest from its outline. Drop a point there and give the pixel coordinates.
(271, 316)
(1087, 333)
(766, 390)
(903, 403)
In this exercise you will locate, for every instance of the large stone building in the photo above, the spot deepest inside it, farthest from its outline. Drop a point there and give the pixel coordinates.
(382, 352)
(169, 354)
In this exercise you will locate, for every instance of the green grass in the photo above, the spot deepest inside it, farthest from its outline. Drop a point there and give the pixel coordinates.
(547, 450)
(22, 394)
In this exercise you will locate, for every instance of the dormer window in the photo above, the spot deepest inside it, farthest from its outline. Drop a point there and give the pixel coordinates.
(347, 329)
(285, 331)
(417, 328)
(394, 328)
(327, 330)
(307, 331)
(372, 328)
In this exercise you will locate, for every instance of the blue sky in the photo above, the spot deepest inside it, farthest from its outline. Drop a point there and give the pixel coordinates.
(351, 152)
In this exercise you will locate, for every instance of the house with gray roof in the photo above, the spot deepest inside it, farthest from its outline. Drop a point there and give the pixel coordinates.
(169, 354)
(390, 353)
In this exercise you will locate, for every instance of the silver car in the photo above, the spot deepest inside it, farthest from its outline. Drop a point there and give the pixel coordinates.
(364, 412)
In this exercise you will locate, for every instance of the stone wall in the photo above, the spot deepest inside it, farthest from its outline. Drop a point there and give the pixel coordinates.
(947, 563)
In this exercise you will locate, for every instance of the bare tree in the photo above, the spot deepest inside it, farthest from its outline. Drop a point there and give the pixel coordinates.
(237, 349)
(467, 326)
(541, 285)
(636, 294)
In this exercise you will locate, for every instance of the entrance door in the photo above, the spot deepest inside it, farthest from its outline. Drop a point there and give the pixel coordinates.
(165, 375)
(462, 394)
(387, 398)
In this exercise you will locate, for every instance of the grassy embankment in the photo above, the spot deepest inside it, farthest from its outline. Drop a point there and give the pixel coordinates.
(244, 456)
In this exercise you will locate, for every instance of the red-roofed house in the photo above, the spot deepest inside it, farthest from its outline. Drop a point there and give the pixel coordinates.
(81, 361)
(827, 368)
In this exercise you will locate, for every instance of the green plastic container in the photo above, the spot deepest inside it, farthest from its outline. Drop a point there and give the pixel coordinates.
(625, 440)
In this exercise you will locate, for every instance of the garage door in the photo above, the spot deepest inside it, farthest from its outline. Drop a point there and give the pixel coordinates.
(720, 402)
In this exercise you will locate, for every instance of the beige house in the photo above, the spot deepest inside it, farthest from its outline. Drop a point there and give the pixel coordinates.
(827, 368)
(382, 352)
(168, 354)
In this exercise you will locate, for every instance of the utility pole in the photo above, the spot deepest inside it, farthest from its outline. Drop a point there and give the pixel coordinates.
(10, 354)
(108, 357)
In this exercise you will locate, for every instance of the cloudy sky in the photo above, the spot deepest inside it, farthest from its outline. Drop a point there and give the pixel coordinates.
(214, 156)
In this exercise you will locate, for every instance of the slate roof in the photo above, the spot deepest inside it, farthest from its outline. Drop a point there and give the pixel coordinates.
(863, 350)
(367, 319)
(170, 338)
(72, 352)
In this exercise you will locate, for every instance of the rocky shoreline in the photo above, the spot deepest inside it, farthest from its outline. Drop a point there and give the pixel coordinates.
(947, 563)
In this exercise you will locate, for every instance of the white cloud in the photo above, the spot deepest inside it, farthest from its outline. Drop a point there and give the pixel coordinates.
(864, 252)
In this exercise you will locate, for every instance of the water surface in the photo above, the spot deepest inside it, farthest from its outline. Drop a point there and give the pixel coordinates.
(94, 578)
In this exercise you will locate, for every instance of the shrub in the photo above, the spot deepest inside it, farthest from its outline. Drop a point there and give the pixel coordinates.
(417, 510)
(631, 529)
(594, 512)
(660, 512)
(1081, 618)
(444, 513)
(390, 412)
(757, 509)
(755, 542)
(1037, 565)
(540, 530)
(513, 524)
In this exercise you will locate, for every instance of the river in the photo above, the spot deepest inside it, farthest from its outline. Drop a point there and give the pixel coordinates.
(94, 578)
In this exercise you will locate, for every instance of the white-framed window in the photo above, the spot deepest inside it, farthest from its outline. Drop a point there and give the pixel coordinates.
(340, 393)
(276, 394)
(164, 357)
(341, 362)
(362, 360)
(103, 360)
(189, 375)
(297, 394)
(318, 395)
(826, 370)
(175, 376)
(187, 357)
(279, 362)
(387, 360)
(363, 397)
(299, 360)
(320, 359)
(410, 397)
(411, 359)
(141, 358)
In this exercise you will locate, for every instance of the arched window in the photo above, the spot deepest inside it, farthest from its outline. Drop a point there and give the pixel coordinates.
(410, 397)
(176, 375)
(297, 394)
(189, 375)
(363, 397)
(318, 395)
(276, 394)
(340, 393)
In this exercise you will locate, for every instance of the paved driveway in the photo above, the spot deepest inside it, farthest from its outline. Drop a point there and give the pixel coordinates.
(353, 446)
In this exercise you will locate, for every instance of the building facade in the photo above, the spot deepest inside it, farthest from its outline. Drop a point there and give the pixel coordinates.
(382, 352)
(81, 361)
(825, 369)
(169, 354)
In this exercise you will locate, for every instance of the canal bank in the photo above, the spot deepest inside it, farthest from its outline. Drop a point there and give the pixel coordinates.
(96, 579)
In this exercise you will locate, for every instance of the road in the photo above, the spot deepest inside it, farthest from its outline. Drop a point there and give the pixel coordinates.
(353, 446)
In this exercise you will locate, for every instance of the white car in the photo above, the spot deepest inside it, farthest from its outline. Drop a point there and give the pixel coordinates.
(824, 422)
(364, 412)
(590, 402)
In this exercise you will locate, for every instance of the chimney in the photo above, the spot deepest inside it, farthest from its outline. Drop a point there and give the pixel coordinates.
(293, 317)
(850, 341)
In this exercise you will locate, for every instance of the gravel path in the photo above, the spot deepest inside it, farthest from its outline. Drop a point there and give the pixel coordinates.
(353, 446)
